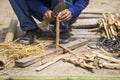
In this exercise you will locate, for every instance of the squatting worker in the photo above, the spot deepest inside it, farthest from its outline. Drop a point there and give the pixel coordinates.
(42, 9)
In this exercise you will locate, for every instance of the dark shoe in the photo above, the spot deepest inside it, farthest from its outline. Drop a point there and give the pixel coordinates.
(64, 37)
(30, 36)
(38, 33)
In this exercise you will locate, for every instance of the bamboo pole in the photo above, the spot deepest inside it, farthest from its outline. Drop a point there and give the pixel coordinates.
(57, 31)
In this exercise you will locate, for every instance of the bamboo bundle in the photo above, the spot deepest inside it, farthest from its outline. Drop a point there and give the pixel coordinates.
(110, 26)
(110, 37)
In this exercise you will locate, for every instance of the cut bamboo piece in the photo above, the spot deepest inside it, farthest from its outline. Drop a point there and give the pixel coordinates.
(11, 31)
(57, 31)
(81, 62)
(113, 31)
(110, 65)
(111, 35)
(103, 35)
(106, 30)
(111, 59)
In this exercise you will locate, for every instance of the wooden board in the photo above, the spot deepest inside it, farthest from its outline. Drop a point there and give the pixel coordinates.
(85, 23)
(89, 16)
(83, 32)
(85, 36)
(24, 62)
(92, 11)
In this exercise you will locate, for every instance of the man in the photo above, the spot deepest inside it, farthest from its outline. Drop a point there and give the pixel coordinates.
(42, 10)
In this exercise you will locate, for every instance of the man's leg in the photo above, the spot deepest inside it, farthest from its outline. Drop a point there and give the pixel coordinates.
(22, 11)
(64, 26)
(27, 23)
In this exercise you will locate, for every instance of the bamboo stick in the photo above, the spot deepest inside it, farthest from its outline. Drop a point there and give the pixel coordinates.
(57, 31)
(106, 57)
(51, 62)
(110, 65)
(70, 51)
(106, 30)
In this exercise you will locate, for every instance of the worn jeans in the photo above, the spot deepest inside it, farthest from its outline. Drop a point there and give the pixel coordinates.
(24, 14)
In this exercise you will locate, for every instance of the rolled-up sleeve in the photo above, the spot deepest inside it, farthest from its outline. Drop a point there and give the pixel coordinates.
(37, 6)
(78, 6)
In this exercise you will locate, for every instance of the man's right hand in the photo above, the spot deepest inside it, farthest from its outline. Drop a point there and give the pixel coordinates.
(48, 16)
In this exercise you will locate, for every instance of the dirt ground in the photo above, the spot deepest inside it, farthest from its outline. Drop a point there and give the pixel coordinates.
(60, 68)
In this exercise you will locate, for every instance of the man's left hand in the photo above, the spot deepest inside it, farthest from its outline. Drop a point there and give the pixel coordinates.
(65, 15)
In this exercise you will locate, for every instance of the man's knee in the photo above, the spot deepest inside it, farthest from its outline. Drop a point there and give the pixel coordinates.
(12, 1)
(20, 2)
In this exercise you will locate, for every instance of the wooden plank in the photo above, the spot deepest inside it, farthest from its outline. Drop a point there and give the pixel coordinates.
(24, 62)
(75, 44)
(85, 23)
(76, 33)
(93, 11)
(83, 32)
(89, 16)
(73, 31)
(85, 36)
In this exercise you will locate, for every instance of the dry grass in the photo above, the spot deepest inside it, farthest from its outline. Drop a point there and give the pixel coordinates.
(14, 51)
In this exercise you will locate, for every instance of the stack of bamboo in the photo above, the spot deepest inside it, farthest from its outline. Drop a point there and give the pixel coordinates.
(110, 26)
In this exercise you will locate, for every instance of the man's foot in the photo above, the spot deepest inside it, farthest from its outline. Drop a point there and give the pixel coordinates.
(30, 36)
(64, 37)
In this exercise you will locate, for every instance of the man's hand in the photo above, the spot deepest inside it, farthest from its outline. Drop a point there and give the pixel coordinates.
(48, 16)
(65, 15)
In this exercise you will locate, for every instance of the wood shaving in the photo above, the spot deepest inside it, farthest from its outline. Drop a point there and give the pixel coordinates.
(14, 51)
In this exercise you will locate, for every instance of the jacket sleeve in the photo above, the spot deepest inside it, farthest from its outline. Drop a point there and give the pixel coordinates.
(37, 6)
(78, 6)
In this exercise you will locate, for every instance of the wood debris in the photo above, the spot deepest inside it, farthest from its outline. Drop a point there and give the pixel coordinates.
(96, 61)
(12, 51)
(49, 54)
(82, 62)
(89, 62)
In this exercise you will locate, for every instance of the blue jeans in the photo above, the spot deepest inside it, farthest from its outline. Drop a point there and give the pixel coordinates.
(24, 14)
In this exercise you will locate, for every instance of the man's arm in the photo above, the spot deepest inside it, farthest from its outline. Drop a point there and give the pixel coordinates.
(78, 6)
(74, 11)
(37, 6)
